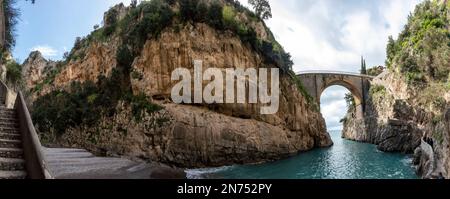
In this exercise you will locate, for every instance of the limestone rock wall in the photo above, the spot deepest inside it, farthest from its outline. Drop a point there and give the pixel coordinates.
(191, 136)
(35, 69)
(396, 122)
(99, 60)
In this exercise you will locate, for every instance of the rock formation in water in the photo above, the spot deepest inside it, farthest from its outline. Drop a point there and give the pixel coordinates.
(408, 107)
(112, 93)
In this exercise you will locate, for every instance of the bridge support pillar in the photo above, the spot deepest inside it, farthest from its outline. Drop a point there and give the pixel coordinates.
(359, 111)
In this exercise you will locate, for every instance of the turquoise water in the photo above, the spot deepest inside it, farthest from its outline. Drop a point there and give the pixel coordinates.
(345, 160)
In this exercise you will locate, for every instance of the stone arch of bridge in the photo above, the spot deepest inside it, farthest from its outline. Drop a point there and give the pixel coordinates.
(354, 90)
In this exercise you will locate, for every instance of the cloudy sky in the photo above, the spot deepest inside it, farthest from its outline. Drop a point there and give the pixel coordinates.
(334, 34)
(319, 34)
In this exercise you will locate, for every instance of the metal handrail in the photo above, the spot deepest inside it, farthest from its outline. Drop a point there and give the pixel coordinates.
(332, 72)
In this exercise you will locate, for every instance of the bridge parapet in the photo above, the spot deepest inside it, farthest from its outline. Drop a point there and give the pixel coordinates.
(331, 72)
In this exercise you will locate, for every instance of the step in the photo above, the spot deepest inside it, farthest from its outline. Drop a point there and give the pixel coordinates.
(11, 153)
(12, 164)
(8, 119)
(6, 129)
(10, 136)
(9, 124)
(10, 131)
(10, 143)
(5, 175)
(7, 114)
(7, 111)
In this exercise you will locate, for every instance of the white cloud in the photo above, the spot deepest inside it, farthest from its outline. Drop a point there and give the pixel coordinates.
(360, 35)
(332, 35)
(46, 50)
(395, 13)
(334, 107)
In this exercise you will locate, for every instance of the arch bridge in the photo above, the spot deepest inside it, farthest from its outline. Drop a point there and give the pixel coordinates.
(315, 82)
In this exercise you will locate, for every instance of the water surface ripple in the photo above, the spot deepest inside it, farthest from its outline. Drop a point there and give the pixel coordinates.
(345, 160)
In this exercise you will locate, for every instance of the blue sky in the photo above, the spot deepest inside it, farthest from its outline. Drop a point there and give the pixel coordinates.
(51, 26)
(319, 34)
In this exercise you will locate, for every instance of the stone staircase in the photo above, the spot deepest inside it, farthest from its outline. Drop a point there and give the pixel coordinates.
(12, 163)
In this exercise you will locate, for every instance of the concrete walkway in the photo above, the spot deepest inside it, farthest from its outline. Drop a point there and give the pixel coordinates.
(80, 164)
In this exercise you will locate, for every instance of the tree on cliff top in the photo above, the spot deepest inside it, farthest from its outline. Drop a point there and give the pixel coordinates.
(262, 8)
(9, 19)
(363, 66)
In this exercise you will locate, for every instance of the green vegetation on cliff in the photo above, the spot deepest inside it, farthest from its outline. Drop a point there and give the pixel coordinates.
(375, 71)
(11, 14)
(13, 72)
(421, 58)
(9, 18)
(150, 18)
(378, 92)
(421, 52)
(85, 103)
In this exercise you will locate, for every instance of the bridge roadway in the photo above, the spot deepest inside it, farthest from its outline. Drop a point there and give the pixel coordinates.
(333, 72)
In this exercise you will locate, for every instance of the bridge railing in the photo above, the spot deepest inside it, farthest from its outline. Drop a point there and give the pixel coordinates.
(331, 72)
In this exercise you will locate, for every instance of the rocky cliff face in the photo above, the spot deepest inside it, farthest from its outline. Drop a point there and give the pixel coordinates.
(36, 68)
(396, 123)
(389, 121)
(185, 135)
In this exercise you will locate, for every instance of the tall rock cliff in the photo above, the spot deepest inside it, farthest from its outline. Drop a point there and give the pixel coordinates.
(112, 93)
(35, 69)
(408, 106)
